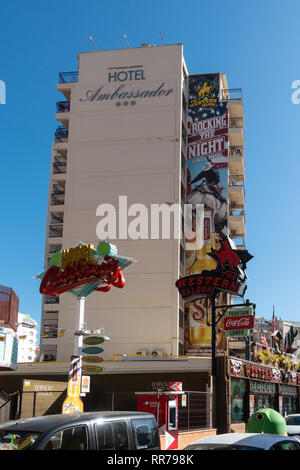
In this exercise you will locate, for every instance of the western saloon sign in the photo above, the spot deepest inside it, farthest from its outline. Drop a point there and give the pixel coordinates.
(228, 276)
(84, 269)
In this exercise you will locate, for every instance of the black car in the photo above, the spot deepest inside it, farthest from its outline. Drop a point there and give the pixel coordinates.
(107, 430)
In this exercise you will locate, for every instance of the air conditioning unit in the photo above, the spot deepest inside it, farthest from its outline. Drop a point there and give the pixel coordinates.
(158, 352)
(47, 357)
(142, 352)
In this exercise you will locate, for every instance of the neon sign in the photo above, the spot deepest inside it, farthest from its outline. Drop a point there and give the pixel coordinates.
(84, 269)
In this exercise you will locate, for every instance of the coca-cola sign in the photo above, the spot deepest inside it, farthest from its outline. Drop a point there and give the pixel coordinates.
(239, 323)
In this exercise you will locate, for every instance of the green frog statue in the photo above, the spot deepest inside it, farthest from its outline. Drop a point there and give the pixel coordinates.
(267, 421)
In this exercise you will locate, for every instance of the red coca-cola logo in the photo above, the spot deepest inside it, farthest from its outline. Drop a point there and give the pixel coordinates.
(239, 323)
(57, 281)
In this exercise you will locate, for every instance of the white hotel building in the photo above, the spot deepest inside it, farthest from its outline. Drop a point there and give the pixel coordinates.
(123, 131)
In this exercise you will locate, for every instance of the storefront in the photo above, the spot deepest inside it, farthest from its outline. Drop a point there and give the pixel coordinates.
(253, 386)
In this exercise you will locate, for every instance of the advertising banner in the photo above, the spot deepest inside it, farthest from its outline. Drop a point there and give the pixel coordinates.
(207, 166)
(197, 338)
(73, 403)
(207, 184)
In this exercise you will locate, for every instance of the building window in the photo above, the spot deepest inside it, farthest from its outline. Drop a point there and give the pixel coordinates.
(238, 400)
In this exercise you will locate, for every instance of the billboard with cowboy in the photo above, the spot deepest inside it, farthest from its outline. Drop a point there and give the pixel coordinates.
(207, 184)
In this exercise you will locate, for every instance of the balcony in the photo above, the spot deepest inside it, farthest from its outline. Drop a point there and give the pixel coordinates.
(236, 225)
(68, 77)
(49, 331)
(232, 94)
(63, 107)
(57, 198)
(235, 98)
(59, 167)
(56, 230)
(49, 299)
(61, 135)
(66, 81)
(236, 131)
(63, 112)
(236, 122)
(236, 190)
(236, 160)
(54, 248)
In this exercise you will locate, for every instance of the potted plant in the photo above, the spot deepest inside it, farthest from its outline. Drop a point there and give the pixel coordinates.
(266, 356)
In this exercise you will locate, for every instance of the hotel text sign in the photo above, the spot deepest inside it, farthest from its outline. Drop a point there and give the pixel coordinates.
(128, 81)
(126, 75)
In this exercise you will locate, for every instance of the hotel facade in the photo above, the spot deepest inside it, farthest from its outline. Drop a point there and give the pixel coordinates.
(123, 135)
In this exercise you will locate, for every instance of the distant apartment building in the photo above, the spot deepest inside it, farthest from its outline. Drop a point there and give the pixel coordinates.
(27, 338)
(9, 306)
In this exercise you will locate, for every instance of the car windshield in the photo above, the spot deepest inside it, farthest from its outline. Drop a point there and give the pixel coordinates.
(293, 420)
(220, 447)
(17, 440)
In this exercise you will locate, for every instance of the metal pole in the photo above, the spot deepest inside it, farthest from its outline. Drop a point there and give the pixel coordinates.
(80, 325)
(157, 408)
(213, 356)
(213, 337)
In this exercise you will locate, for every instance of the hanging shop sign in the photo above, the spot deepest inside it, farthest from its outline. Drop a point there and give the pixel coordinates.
(228, 275)
(239, 321)
(261, 374)
(92, 353)
(236, 367)
(84, 269)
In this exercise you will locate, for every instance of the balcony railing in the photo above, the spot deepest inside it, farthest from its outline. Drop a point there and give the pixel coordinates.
(56, 230)
(59, 168)
(236, 122)
(49, 331)
(236, 180)
(57, 218)
(63, 107)
(67, 77)
(54, 249)
(57, 198)
(49, 299)
(61, 134)
(231, 94)
(235, 151)
(233, 211)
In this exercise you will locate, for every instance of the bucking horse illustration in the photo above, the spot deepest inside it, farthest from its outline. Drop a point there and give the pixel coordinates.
(209, 193)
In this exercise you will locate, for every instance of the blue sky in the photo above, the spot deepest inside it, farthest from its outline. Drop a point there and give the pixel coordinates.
(254, 42)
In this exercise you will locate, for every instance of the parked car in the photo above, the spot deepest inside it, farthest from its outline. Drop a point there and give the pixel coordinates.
(245, 441)
(293, 425)
(114, 430)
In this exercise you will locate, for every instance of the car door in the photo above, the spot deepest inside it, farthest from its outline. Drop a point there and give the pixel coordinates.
(145, 433)
(70, 438)
(112, 435)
